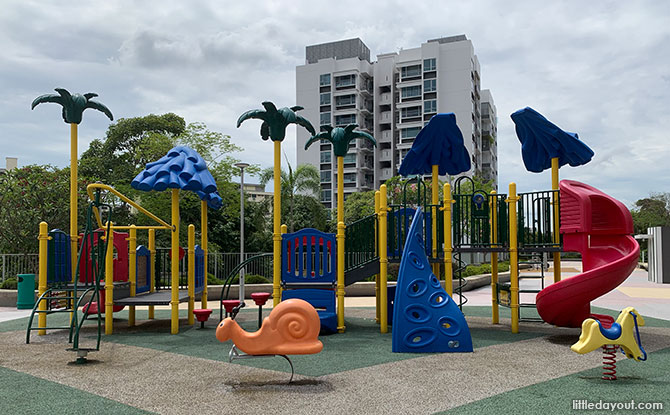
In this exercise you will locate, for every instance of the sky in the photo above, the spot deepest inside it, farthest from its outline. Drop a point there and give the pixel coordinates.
(601, 69)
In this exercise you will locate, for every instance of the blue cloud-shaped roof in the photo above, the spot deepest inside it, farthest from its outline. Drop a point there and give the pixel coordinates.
(541, 140)
(439, 143)
(182, 168)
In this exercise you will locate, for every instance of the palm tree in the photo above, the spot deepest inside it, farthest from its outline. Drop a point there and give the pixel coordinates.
(304, 179)
(73, 109)
(273, 127)
(340, 139)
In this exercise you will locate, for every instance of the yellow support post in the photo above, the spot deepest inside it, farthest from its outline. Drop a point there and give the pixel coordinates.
(434, 201)
(152, 267)
(203, 245)
(340, 244)
(191, 273)
(283, 230)
(132, 271)
(448, 264)
(557, 234)
(276, 235)
(109, 282)
(383, 261)
(42, 276)
(174, 262)
(74, 232)
(495, 315)
(378, 310)
(513, 258)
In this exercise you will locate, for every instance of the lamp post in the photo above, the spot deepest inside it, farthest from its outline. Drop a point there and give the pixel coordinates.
(241, 166)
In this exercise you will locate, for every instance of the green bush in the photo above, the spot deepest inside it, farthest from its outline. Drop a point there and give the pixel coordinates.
(248, 279)
(212, 280)
(9, 284)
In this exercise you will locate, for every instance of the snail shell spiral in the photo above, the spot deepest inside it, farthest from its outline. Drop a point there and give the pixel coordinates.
(297, 320)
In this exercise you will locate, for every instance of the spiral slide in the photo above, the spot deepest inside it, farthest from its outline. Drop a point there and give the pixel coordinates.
(599, 227)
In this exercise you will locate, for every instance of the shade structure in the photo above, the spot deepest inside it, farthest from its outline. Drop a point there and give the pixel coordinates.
(181, 168)
(439, 143)
(541, 140)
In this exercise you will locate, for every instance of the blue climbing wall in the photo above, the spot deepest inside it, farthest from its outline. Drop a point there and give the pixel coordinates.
(425, 318)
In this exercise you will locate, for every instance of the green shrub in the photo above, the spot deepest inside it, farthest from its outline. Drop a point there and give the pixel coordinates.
(250, 279)
(9, 284)
(212, 280)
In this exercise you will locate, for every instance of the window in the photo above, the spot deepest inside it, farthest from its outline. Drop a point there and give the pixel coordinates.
(406, 133)
(410, 112)
(349, 177)
(325, 176)
(430, 85)
(429, 65)
(430, 107)
(345, 80)
(410, 71)
(325, 118)
(324, 80)
(325, 157)
(343, 120)
(345, 100)
(410, 92)
(325, 99)
(349, 158)
(326, 195)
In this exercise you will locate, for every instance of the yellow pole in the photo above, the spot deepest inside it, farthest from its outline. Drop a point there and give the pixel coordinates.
(191, 272)
(132, 271)
(513, 258)
(109, 283)
(495, 316)
(174, 303)
(340, 244)
(434, 201)
(276, 228)
(152, 258)
(283, 229)
(557, 235)
(42, 275)
(203, 245)
(74, 233)
(448, 265)
(378, 310)
(383, 261)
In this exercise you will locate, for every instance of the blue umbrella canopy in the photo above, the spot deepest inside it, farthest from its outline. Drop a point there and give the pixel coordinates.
(181, 168)
(439, 143)
(541, 140)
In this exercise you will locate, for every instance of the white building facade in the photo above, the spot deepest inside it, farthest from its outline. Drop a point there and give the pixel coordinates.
(392, 99)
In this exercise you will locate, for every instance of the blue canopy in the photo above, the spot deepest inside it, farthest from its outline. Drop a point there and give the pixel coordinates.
(182, 168)
(439, 143)
(542, 140)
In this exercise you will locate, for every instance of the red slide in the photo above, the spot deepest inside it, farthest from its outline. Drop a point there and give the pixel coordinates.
(599, 227)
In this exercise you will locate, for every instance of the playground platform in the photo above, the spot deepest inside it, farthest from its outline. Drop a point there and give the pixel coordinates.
(144, 369)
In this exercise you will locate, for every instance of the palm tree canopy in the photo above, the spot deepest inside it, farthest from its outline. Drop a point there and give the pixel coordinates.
(276, 120)
(73, 105)
(340, 138)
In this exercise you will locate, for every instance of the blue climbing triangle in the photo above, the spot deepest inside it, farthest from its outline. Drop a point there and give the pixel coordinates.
(425, 317)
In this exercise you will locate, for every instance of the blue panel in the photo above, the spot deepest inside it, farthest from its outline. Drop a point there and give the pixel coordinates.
(425, 318)
(142, 251)
(199, 269)
(399, 222)
(439, 143)
(541, 140)
(59, 265)
(308, 256)
(322, 300)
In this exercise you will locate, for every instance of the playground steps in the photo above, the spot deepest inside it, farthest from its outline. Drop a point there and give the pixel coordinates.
(361, 272)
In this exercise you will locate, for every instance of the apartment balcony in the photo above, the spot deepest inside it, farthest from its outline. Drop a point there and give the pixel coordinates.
(385, 98)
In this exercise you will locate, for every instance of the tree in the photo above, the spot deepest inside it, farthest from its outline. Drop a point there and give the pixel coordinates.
(358, 206)
(305, 180)
(651, 211)
(30, 195)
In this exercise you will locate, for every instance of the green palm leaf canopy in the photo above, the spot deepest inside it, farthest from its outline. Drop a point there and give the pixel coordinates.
(340, 138)
(276, 120)
(73, 105)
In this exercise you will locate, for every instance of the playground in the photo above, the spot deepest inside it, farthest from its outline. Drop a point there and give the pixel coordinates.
(425, 344)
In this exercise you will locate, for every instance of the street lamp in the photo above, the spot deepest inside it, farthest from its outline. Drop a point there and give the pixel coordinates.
(241, 166)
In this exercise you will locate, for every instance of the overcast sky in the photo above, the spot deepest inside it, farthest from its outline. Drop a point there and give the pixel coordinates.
(601, 69)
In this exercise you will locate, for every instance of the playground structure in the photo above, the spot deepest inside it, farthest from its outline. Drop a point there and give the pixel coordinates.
(316, 267)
